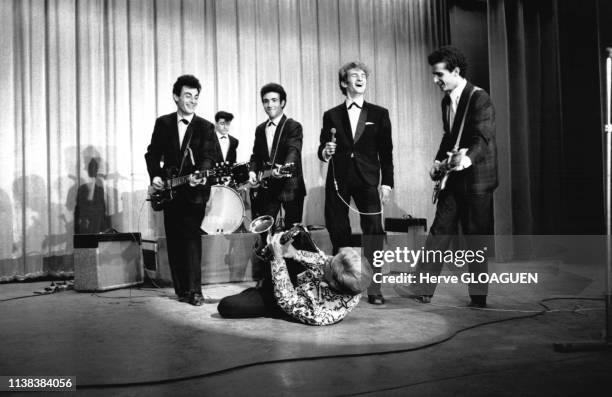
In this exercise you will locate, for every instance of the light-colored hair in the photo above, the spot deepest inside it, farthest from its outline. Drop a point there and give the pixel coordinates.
(351, 274)
(343, 72)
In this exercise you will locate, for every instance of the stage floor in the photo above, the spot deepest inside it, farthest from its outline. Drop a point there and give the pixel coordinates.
(145, 338)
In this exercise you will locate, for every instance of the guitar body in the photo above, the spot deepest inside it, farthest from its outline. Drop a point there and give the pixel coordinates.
(264, 177)
(439, 186)
(445, 171)
(160, 198)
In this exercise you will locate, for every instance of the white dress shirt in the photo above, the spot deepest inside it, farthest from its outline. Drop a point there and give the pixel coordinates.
(182, 127)
(354, 112)
(455, 95)
(270, 130)
(224, 143)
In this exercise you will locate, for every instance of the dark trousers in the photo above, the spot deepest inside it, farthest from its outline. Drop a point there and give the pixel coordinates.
(260, 302)
(267, 203)
(474, 212)
(367, 200)
(182, 222)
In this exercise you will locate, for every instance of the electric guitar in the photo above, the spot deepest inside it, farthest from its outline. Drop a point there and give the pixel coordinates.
(444, 170)
(264, 177)
(159, 198)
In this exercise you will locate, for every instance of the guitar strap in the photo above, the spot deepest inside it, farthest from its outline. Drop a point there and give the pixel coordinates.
(456, 147)
(467, 108)
(187, 151)
(280, 134)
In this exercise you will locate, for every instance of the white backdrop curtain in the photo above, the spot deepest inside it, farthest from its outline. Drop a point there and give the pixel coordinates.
(83, 81)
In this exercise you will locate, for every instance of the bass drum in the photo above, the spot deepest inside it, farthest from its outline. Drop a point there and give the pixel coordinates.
(224, 211)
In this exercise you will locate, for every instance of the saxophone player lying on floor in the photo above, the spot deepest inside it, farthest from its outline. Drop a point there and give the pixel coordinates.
(304, 284)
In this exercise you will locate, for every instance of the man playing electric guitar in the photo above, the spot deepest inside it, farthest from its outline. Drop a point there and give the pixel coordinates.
(466, 167)
(278, 171)
(442, 169)
(278, 140)
(161, 195)
(183, 141)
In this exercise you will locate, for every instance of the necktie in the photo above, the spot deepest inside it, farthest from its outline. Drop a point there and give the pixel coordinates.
(270, 135)
(452, 110)
(354, 104)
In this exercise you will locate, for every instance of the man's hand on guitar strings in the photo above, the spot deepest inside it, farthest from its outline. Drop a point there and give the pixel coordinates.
(196, 179)
(435, 172)
(252, 178)
(157, 183)
(458, 160)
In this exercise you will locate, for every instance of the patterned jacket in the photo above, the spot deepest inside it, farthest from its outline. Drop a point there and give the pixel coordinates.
(312, 302)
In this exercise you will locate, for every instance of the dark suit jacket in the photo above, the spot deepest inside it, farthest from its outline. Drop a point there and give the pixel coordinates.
(231, 152)
(286, 148)
(478, 137)
(371, 149)
(165, 146)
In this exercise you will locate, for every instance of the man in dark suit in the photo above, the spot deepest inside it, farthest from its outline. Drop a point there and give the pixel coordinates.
(356, 141)
(225, 145)
(183, 142)
(278, 141)
(468, 149)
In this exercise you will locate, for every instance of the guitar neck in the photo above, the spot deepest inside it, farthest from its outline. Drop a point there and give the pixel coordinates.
(285, 171)
(266, 174)
(178, 181)
(181, 180)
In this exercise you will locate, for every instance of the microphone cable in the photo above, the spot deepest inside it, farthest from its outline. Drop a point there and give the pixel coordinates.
(348, 205)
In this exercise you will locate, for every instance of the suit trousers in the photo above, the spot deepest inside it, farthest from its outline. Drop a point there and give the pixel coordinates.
(474, 213)
(267, 203)
(182, 222)
(337, 221)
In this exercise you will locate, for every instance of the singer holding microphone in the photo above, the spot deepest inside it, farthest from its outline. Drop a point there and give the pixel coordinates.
(356, 142)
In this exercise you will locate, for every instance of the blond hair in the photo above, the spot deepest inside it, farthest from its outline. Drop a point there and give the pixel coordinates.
(351, 274)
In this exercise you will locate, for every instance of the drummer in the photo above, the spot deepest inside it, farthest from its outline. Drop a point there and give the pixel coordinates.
(225, 146)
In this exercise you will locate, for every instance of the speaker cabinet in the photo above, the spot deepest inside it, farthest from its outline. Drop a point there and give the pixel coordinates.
(107, 261)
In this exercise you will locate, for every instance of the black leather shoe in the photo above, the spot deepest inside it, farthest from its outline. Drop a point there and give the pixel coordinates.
(259, 284)
(376, 299)
(422, 298)
(185, 297)
(196, 299)
(479, 301)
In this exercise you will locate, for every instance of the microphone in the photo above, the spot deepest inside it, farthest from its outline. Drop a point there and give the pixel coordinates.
(333, 138)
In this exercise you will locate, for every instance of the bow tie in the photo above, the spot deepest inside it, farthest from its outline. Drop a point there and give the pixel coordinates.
(184, 121)
(223, 137)
(354, 104)
(270, 123)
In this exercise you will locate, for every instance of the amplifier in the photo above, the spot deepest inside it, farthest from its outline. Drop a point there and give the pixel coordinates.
(405, 233)
(107, 261)
(403, 225)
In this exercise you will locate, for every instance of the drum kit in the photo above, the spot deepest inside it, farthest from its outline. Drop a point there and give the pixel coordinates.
(225, 210)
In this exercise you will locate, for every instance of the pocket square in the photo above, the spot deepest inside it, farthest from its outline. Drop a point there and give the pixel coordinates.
(369, 123)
